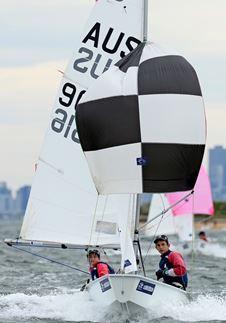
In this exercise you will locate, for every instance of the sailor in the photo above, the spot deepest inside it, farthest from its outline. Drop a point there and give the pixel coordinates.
(171, 266)
(98, 268)
(202, 236)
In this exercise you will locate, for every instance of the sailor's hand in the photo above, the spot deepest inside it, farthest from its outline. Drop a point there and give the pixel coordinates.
(84, 286)
(159, 274)
(165, 272)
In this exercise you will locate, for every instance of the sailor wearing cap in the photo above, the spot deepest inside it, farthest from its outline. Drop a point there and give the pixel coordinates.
(172, 267)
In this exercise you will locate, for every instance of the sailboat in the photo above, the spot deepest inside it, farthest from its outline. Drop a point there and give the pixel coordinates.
(179, 220)
(200, 202)
(80, 205)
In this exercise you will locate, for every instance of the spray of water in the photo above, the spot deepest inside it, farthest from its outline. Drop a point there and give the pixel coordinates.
(213, 249)
(76, 306)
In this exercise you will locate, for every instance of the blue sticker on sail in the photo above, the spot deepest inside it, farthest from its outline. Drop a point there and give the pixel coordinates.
(146, 287)
(105, 285)
(142, 161)
(127, 263)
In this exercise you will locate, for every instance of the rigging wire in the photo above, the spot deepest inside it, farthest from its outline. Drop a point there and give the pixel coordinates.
(162, 214)
(166, 210)
(51, 260)
(156, 230)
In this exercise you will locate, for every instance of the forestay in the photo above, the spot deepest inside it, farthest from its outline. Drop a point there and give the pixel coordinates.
(64, 205)
(142, 124)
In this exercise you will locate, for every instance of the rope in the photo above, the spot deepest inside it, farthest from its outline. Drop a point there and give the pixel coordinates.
(153, 239)
(162, 214)
(193, 240)
(51, 260)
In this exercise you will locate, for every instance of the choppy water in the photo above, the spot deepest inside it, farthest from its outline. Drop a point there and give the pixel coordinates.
(34, 290)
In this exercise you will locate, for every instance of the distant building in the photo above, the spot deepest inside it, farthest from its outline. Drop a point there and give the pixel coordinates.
(21, 199)
(217, 172)
(6, 200)
(10, 206)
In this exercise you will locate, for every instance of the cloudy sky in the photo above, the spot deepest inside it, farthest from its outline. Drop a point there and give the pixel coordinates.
(37, 39)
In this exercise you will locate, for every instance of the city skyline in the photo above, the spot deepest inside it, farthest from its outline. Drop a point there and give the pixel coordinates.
(35, 46)
(13, 204)
(217, 172)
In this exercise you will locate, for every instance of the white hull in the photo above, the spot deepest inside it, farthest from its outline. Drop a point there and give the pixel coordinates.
(134, 291)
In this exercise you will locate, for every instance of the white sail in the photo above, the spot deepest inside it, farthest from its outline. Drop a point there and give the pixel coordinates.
(113, 220)
(64, 203)
(127, 223)
(144, 89)
(184, 227)
(161, 225)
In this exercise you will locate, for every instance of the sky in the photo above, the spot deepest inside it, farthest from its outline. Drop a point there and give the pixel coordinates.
(37, 39)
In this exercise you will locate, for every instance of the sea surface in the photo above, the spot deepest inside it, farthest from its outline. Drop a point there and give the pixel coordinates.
(35, 290)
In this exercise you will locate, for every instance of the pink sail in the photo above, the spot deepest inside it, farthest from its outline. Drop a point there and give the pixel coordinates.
(200, 202)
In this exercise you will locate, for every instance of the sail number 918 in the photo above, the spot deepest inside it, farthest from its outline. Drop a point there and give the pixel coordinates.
(64, 122)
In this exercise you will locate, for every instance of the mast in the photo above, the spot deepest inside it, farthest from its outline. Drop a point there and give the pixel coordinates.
(136, 242)
(145, 21)
(145, 35)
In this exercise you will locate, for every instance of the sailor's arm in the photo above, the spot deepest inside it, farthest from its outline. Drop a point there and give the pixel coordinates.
(102, 269)
(179, 268)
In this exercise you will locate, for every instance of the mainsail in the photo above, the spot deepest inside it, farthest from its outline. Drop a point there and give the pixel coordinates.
(142, 124)
(64, 206)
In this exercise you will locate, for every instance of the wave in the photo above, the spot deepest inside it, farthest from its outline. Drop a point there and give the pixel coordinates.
(202, 308)
(213, 249)
(76, 306)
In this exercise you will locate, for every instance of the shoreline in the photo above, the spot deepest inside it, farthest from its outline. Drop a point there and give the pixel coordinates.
(212, 224)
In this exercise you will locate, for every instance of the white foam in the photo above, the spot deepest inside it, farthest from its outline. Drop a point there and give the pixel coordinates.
(213, 249)
(76, 306)
(204, 308)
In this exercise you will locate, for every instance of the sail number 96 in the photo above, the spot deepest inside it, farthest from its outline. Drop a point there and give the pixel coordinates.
(64, 122)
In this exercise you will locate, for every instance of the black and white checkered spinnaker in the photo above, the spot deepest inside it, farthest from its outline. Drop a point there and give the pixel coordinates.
(142, 124)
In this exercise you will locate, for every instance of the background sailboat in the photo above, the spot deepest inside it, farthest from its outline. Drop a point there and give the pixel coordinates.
(180, 219)
(200, 202)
